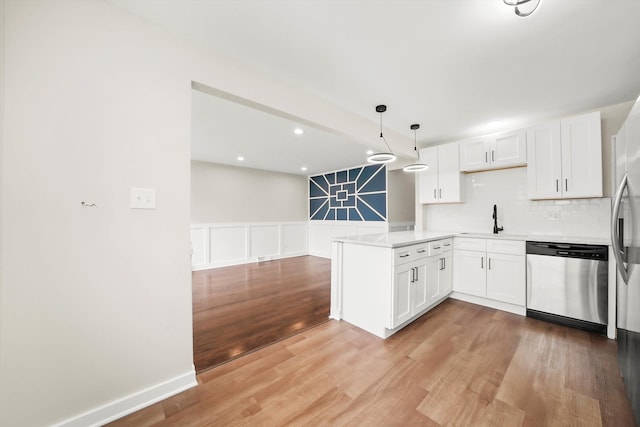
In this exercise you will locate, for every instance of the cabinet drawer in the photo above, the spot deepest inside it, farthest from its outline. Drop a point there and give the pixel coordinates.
(469, 244)
(509, 247)
(439, 246)
(402, 255)
(410, 253)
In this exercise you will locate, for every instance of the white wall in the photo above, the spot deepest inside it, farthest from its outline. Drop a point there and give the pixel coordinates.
(96, 302)
(2, 270)
(221, 193)
(612, 119)
(401, 198)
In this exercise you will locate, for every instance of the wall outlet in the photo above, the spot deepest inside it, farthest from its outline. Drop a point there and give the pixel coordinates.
(143, 198)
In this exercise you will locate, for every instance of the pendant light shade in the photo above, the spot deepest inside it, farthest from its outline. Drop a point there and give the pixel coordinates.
(382, 157)
(419, 166)
(531, 6)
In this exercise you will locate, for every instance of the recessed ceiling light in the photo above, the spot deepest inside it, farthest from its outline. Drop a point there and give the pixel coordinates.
(304, 168)
(240, 158)
(493, 124)
(298, 131)
(369, 152)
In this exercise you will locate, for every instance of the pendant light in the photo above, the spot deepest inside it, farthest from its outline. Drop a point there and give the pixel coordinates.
(419, 166)
(529, 9)
(382, 157)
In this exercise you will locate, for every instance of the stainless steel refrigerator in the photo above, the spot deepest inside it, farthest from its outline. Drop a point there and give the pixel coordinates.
(625, 237)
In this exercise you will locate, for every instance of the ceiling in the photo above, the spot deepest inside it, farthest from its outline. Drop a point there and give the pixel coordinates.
(451, 66)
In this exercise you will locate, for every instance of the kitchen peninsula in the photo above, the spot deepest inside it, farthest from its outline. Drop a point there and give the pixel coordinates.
(382, 282)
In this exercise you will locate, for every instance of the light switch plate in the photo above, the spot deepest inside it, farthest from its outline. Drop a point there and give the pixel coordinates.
(143, 198)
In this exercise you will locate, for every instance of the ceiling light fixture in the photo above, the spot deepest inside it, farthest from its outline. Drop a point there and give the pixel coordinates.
(385, 157)
(415, 167)
(240, 158)
(528, 9)
(303, 168)
(298, 131)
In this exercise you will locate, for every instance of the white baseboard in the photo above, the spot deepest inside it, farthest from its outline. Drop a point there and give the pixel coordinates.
(246, 261)
(498, 305)
(320, 254)
(134, 402)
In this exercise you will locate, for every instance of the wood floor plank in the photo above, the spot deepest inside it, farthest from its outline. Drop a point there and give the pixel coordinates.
(460, 365)
(239, 309)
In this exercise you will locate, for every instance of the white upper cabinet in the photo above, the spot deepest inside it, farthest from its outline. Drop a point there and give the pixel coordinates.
(504, 150)
(441, 182)
(565, 158)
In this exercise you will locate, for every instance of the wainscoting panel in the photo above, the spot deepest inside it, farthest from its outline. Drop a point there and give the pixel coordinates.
(294, 238)
(264, 241)
(321, 233)
(220, 245)
(228, 244)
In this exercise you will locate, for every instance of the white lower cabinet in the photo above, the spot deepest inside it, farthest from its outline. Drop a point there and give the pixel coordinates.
(490, 268)
(439, 275)
(409, 292)
(422, 279)
(506, 278)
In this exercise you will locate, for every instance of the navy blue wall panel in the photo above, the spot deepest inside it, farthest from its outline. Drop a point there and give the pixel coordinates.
(357, 194)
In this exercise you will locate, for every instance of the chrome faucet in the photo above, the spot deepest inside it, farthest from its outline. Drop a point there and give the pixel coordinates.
(496, 229)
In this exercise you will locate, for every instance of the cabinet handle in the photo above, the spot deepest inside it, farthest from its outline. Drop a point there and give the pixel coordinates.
(566, 184)
(486, 157)
(444, 263)
(492, 156)
(441, 193)
(434, 194)
(489, 263)
(557, 188)
(447, 244)
(436, 247)
(416, 273)
(404, 256)
(421, 251)
(482, 262)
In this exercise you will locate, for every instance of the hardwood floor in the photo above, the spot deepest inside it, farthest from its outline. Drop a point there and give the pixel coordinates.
(460, 364)
(242, 308)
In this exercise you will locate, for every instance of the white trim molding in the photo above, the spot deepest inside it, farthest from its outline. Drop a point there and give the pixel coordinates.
(132, 403)
(225, 244)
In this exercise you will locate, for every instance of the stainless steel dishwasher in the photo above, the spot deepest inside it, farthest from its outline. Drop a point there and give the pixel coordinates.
(568, 284)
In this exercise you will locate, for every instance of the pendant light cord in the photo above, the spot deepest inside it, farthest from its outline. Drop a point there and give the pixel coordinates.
(382, 136)
(415, 145)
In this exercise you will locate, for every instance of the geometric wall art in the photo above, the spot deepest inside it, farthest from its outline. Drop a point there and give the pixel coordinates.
(358, 194)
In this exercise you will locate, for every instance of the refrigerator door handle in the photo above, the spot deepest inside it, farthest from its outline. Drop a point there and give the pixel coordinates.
(615, 242)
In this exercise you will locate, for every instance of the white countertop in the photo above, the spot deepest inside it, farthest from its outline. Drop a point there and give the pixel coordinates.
(404, 238)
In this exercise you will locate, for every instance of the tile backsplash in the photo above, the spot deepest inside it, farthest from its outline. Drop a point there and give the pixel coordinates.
(518, 215)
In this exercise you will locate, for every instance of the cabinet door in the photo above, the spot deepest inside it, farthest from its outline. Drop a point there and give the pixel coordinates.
(421, 297)
(506, 278)
(434, 264)
(428, 179)
(449, 173)
(582, 156)
(469, 274)
(445, 275)
(544, 157)
(474, 154)
(509, 149)
(402, 284)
